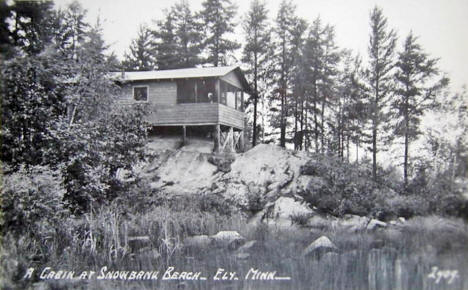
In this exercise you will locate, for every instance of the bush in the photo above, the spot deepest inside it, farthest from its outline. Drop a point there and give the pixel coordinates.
(339, 188)
(453, 205)
(32, 200)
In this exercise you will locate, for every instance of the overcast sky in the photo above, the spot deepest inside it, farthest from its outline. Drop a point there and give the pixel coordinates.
(441, 25)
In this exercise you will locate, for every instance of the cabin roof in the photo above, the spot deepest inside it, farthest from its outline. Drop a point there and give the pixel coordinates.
(182, 73)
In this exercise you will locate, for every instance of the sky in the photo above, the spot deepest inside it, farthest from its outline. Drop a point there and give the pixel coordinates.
(440, 24)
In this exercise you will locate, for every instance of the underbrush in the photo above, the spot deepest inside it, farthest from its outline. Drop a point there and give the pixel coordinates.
(340, 188)
(153, 239)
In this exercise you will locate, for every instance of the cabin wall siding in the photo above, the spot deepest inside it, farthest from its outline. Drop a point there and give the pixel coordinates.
(233, 79)
(230, 116)
(164, 110)
(196, 114)
(159, 92)
(201, 113)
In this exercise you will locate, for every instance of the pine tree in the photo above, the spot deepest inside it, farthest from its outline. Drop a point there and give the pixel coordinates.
(256, 51)
(177, 39)
(297, 78)
(165, 42)
(321, 57)
(313, 52)
(285, 22)
(379, 77)
(77, 27)
(188, 30)
(330, 59)
(140, 57)
(218, 19)
(416, 92)
(349, 113)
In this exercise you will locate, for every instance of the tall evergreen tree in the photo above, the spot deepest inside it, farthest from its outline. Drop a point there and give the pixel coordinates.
(285, 22)
(416, 92)
(313, 52)
(349, 112)
(297, 78)
(218, 19)
(140, 56)
(321, 57)
(256, 51)
(76, 26)
(188, 30)
(165, 42)
(177, 39)
(330, 59)
(379, 77)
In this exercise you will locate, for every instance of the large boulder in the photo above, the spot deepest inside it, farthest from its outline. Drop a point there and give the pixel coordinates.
(284, 211)
(268, 166)
(228, 239)
(287, 207)
(352, 223)
(182, 172)
(320, 246)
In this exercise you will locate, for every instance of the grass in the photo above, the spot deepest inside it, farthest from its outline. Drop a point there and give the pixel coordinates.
(104, 238)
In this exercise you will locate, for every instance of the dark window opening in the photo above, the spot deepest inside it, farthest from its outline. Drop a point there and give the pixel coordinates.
(140, 94)
(196, 91)
(186, 91)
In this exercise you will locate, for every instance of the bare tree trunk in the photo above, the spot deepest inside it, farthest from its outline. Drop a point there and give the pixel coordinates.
(322, 129)
(254, 133)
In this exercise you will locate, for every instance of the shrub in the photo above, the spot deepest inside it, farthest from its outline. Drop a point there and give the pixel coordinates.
(453, 205)
(32, 199)
(408, 206)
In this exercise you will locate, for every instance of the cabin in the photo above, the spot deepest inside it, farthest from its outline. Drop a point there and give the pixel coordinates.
(208, 101)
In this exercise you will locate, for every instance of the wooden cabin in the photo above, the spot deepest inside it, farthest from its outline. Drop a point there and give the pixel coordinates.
(211, 98)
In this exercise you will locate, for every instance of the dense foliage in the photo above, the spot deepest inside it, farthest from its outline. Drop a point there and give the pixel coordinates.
(60, 110)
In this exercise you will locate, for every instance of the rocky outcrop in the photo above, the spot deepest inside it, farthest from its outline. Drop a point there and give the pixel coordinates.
(223, 163)
(319, 247)
(227, 239)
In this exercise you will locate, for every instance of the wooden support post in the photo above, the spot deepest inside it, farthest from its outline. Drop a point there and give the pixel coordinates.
(231, 140)
(184, 135)
(241, 141)
(217, 139)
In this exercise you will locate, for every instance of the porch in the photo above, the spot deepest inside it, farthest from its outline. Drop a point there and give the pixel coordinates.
(218, 122)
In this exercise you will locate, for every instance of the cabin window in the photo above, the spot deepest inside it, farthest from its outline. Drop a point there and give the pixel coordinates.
(140, 94)
(186, 91)
(239, 101)
(196, 91)
(231, 96)
(222, 86)
(206, 91)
